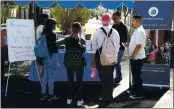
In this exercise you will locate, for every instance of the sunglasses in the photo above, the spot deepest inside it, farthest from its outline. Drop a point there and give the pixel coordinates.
(114, 18)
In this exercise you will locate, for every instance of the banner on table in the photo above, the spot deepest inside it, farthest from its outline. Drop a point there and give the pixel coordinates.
(154, 13)
(156, 75)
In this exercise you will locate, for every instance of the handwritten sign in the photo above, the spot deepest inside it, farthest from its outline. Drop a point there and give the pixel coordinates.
(21, 39)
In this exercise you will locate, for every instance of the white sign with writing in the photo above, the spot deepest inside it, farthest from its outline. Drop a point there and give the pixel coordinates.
(21, 39)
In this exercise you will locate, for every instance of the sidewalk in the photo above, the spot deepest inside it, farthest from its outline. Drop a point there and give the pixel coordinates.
(166, 100)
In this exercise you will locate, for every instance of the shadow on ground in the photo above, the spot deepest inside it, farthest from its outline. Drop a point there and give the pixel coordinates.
(151, 97)
(25, 94)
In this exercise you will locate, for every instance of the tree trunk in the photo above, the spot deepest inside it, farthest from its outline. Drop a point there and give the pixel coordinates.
(126, 12)
(19, 11)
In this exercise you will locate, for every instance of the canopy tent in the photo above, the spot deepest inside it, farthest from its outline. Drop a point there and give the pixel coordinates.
(73, 4)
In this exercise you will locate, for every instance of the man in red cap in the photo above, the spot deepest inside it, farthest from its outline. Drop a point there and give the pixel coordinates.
(105, 72)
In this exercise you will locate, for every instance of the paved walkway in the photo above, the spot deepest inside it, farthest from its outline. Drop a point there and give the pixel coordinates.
(154, 99)
(166, 101)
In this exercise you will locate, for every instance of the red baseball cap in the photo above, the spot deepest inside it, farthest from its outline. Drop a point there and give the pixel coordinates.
(106, 19)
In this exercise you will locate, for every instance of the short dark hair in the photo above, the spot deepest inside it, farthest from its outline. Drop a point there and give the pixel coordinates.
(117, 13)
(137, 17)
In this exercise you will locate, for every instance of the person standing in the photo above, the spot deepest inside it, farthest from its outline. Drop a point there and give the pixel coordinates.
(50, 63)
(137, 56)
(123, 33)
(152, 54)
(105, 72)
(40, 27)
(148, 47)
(39, 30)
(74, 61)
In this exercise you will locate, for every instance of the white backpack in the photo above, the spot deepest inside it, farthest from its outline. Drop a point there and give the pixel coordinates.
(109, 52)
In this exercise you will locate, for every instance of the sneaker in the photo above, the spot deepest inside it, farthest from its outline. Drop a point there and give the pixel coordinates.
(69, 101)
(43, 97)
(53, 98)
(80, 103)
(134, 97)
(129, 92)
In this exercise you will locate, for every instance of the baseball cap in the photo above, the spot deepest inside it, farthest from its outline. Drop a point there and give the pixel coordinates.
(106, 19)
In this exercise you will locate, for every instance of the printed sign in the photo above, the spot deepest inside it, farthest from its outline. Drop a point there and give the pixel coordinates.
(21, 40)
(156, 75)
(155, 16)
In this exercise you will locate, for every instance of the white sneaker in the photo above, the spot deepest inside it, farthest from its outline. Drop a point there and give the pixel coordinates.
(69, 101)
(80, 103)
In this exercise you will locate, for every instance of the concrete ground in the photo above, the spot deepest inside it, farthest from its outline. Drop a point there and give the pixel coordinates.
(25, 94)
(166, 101)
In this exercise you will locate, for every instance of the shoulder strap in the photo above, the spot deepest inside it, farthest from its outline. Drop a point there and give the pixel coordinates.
(110, 32)
(103, 30)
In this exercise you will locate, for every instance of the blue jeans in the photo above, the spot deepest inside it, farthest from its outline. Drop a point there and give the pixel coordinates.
(50, 65)
(118, 66)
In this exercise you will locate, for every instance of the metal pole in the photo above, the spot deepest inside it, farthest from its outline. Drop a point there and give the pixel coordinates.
(38, 74)
(7, 80)
(130, 78)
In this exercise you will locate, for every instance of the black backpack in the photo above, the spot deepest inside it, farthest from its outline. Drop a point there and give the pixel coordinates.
(74, 55)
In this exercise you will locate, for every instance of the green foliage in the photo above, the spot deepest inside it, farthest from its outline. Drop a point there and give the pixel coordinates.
(3, 25)
(65, 17)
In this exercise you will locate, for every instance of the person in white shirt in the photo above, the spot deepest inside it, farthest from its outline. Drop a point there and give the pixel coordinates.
(39, 30)
(137, 55)
(105, 72)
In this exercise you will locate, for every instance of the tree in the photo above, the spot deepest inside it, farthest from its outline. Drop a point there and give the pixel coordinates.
(65, 17)
(8, 10)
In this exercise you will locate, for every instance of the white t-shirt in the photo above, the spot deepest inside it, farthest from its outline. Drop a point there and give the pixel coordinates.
(138, 37)
(39, 31)
(98, 38)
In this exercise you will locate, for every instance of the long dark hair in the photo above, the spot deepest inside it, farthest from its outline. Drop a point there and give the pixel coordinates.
(76, 30)
(154, 46)
(42, 19)
(49, 25)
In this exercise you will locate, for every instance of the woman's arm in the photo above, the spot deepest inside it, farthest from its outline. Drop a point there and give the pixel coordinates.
(83, 45)
(60, 42)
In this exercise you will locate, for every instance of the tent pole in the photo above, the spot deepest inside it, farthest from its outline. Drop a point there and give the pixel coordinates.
(8, 74)
(130, 78)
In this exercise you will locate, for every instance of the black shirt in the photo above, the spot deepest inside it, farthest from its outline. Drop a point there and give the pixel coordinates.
(123, 33)
(51, 42)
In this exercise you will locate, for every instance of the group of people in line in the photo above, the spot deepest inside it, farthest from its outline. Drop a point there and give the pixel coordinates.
(74, 59)
(154, 53)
